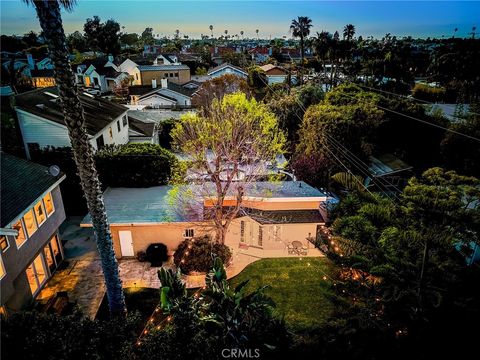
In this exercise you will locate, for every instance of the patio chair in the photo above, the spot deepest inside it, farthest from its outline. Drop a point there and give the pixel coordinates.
(290, 248)
(304, 250)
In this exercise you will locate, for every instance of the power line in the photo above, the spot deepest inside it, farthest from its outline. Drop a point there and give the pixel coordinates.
(412, 98)
(419, 120)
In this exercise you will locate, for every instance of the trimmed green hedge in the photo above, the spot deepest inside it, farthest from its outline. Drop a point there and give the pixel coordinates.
(135, 165)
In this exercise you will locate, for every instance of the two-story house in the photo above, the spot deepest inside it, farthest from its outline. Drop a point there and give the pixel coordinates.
(31, 213)
(41, 120)
(100, 75)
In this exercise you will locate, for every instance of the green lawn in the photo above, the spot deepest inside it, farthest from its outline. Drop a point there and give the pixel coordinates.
(296, 286)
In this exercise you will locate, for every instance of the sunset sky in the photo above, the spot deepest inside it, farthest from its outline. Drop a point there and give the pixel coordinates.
(272, 18)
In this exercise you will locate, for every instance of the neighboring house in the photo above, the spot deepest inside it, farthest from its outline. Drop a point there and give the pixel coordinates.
(152, 74)
(141, 132)
(227, 68)
(41, 120)
(100, 74)
(260, 54)
(17, 65)
(128, 66)
(260, 170)
(275, 74)
(31, 213)
(42, 78)
(273, 214)
(168, 95)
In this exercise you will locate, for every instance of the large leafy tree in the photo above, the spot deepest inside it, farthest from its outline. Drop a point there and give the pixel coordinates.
(235, 131)
(104, 37)
(49, 15)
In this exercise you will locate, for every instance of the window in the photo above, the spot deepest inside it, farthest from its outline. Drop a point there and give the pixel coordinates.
(118, 126)
(100, 142)
(125, 122)
(2, 269)
(189, 233)
(110, 131)
(176, 74)
(260, 236)
(48, 202)
(40, 213)
(53, 255)
(242, 231)
(165, 75)
(136, 76)
(171, 74)
(30, 224)
(36, 274)
(21, 234)
(4, 243)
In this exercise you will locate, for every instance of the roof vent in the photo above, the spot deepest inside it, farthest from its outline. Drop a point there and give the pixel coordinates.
(40, 106)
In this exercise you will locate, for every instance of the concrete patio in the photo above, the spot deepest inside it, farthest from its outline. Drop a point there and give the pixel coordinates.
(83, 279)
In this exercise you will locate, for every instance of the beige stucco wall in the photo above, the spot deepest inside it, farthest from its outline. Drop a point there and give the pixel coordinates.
(148, 76)
(172, 234)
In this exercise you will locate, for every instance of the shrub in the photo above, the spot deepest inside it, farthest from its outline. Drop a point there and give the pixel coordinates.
(428, 93)
(201, 252)
(135, 165)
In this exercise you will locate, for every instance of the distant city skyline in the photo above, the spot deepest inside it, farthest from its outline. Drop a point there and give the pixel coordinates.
(272, 18)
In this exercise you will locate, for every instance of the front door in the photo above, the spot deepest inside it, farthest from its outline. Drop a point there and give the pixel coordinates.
(126, 243)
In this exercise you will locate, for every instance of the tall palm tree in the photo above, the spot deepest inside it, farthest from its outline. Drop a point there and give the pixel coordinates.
(50, 19)
(257, 34)
(454, 32)
(348, 32)
(241, 33)
(301, 28)
(211, 29)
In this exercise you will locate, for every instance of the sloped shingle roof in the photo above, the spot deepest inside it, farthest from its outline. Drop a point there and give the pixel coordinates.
(98, 112)
(23, 182)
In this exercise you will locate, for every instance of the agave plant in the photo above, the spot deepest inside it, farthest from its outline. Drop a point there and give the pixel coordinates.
(172, 287)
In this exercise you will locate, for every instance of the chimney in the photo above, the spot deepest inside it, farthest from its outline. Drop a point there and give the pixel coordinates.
(164, 83)
(154, 83)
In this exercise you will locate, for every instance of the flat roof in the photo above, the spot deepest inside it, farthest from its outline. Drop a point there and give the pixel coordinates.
(156, 204)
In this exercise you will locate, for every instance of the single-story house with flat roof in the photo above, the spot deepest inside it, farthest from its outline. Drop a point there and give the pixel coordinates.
(273, 214)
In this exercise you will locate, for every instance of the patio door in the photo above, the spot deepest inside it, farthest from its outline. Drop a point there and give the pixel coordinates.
(126, 243)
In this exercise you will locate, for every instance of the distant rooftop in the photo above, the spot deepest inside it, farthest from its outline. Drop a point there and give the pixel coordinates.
(162, 67)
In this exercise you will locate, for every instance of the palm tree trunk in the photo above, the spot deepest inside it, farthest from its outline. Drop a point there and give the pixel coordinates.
(51, 22)
(301, 57)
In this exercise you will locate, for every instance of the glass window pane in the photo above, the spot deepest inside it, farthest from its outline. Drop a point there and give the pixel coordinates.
(32, 280)
(3, 242)
(56, 249)
(20, 239)
(30, 223)
(40, 213)
(48, 257)
(40, 269)
(2, 269)
(48, 201)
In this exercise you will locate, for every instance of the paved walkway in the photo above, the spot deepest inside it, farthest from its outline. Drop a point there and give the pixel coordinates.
(82, 278)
